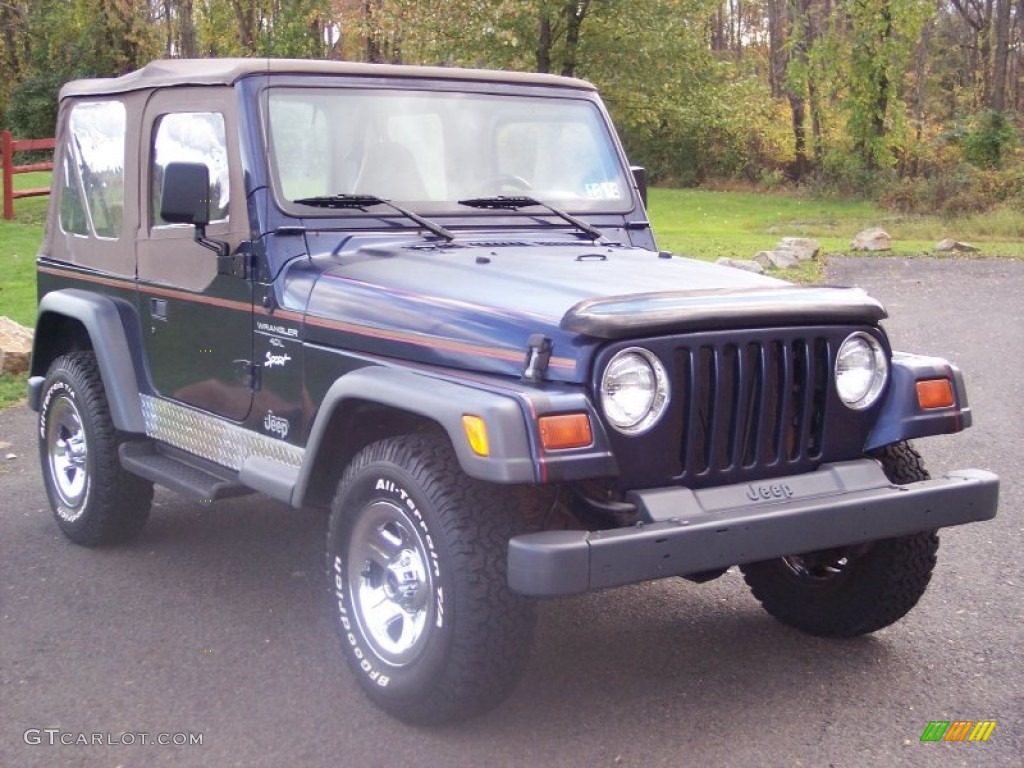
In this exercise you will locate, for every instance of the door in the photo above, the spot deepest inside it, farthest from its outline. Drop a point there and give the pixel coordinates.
(196, 323)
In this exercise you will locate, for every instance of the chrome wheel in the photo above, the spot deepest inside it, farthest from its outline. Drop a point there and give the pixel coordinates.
(391, 583)
(417, 568)
(94, 500)
(68, 455)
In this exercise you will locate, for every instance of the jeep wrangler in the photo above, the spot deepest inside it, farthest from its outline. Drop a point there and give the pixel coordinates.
(429, 301)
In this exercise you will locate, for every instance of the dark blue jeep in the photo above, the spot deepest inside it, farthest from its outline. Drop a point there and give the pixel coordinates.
(430, 301)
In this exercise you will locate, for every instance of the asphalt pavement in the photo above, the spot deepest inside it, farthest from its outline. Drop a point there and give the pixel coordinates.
(215, 624)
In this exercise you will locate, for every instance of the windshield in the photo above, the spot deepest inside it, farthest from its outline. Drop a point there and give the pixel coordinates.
(430, 149)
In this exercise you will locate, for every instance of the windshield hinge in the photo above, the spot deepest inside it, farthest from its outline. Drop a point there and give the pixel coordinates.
(237, 264)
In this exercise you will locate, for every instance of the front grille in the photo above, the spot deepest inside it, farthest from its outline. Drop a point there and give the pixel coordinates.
(744, 406)
(751, 406)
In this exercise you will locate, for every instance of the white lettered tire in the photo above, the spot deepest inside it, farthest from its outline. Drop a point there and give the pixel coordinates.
(416, 555)
(94, 500)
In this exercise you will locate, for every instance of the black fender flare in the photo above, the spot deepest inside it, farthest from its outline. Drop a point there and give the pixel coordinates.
(901, 418)
(108, 322)
(510, 460)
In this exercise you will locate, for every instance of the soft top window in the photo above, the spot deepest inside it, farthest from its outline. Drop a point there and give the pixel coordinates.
(197, 137)
(92, 170)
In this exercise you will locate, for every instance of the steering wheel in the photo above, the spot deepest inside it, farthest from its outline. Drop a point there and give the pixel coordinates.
(503, 182)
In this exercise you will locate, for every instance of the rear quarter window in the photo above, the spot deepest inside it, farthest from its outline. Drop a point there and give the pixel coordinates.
(92, 170)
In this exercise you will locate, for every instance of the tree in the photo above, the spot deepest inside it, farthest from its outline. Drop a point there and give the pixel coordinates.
(881, 35)
(798, 79)
(1000, 54)
(698, 88)
(14, 46)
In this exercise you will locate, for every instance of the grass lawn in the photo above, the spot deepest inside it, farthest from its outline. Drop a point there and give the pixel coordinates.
(709, 224)
(19, 241)
(699, 223)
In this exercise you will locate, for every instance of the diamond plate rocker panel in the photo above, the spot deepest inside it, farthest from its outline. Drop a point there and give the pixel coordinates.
(212, 438)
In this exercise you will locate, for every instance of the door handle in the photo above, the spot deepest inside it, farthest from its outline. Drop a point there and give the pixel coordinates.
(158, 308)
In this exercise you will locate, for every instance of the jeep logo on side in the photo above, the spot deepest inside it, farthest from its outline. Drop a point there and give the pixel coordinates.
(769, 491)
(276, 425)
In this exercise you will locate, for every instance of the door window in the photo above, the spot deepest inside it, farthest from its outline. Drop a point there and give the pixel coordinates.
(194, 137)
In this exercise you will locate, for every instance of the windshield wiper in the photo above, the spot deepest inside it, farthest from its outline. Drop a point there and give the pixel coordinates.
(514, 203)
(362, 202)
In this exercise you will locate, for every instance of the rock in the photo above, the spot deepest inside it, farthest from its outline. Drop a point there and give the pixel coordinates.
(744, 264)
(780, 259)
(15, 346)
(873, 239)
(950, 245)
(804, 248)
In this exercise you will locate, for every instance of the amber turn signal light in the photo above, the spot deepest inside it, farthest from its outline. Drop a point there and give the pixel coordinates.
(476, 434)
(935, 393)
(566, 430)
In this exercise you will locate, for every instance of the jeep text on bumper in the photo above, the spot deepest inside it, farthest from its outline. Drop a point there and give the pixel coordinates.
(684, 531)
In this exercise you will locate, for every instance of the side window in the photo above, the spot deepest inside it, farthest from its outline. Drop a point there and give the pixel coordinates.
(92, 170)
(195, 137)
(73, 217)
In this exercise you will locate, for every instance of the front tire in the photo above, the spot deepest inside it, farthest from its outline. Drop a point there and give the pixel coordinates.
(416, 555)
(856, 590)
(94, 500)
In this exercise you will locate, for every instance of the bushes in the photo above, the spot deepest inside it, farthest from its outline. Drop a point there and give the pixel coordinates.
(988, 139)
(957, 191)
(967, 170)
(686, 133)
(32, 108)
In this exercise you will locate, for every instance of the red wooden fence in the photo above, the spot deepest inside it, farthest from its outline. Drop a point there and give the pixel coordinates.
(9, 148)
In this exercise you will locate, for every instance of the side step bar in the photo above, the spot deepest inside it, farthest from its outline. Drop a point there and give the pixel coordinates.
(193, 478)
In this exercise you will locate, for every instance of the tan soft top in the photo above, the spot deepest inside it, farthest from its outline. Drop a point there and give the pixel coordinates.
(170, 72)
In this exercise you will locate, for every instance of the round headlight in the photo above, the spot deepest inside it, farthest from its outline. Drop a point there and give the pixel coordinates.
(634, 391)
(861, 370)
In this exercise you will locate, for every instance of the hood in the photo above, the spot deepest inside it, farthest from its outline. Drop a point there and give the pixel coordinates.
(475, 304)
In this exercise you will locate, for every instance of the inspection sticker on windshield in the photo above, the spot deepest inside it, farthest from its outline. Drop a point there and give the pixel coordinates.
(604, 190)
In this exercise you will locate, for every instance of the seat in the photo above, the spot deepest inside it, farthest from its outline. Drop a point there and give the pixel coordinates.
(389, 170)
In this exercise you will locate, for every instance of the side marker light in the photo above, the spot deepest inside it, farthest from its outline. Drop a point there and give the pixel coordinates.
(935, 393)
(566, 430)
(476, 434)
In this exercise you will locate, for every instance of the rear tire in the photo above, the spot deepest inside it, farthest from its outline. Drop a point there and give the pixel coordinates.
(94, 500)
(416, 559)
(851, 591)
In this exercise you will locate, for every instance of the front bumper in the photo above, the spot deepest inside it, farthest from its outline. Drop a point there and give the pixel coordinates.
(692, 531)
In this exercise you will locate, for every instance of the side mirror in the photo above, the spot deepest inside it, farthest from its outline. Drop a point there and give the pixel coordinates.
(640, 179)
(185, 197)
